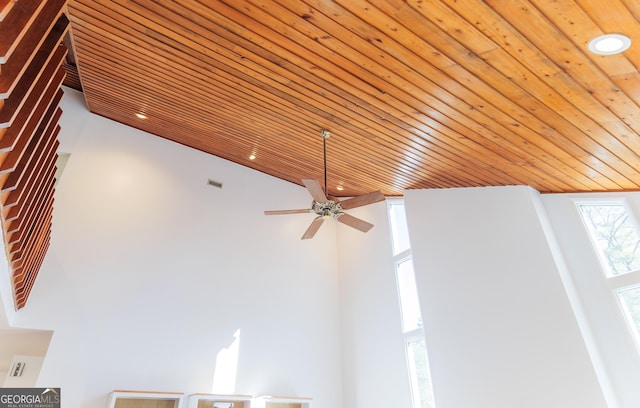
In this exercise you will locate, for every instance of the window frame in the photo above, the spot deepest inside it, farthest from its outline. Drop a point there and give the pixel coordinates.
(413, 335)
(405, 256)
(604, 264)
(633, 329)
(614, 283)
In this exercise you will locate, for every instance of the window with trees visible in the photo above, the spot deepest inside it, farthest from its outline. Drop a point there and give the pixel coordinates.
(615, 235)
(414, 337)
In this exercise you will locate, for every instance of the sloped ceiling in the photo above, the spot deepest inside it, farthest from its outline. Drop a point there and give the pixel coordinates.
(417, 94)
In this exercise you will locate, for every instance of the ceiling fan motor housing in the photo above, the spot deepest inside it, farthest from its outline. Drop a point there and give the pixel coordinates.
(327, 209)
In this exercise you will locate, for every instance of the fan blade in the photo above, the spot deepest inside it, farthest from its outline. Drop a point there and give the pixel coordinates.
(354, 222)
(359, 201)
(315, 189)
(278, 212)
(313, 228)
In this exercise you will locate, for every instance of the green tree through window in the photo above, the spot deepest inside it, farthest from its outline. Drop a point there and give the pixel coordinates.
(631, 301)
(615, 234)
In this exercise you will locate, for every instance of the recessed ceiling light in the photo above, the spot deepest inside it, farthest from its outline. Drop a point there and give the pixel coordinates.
(340, 188)
(141, 115)
(252, 157)
(609, 44)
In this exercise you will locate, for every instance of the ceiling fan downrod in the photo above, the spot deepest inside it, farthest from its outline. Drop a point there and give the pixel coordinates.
(325, 135)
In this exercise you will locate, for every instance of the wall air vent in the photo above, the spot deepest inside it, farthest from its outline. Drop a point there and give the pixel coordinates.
(214, 183)
(16, 370)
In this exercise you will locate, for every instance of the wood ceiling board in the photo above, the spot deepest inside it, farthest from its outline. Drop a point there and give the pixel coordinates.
(450, 94)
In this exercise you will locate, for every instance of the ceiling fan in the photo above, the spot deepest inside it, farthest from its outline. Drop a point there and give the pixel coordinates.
(327, 207)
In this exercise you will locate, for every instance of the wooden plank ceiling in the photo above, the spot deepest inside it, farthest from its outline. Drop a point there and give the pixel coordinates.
(416, 94)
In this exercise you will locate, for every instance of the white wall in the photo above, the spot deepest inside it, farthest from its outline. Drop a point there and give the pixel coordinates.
(374, 367)
(610, 340)
(7, 307)
(151, 272)
(500, 330)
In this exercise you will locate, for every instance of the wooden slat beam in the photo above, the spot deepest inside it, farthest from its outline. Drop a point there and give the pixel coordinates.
(13, 70)
(24, 248)
(18, 172)
(25, 289)
(24, 265)
(16, 25)
(14, 215)
(5, 8)
(16, 218)
(17, 251)
(28, 120)
(21, 147)
(21, 179)
(15, 236)
(31, 74)
(35, 81)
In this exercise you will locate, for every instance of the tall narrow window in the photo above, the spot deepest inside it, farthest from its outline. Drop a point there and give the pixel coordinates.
(414, 338)
(399, 228)
(409, 304)
(615, 235)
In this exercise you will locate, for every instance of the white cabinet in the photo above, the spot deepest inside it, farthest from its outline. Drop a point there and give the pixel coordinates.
(219, 401)
(147, 399)
(280, 402)
(144, 399)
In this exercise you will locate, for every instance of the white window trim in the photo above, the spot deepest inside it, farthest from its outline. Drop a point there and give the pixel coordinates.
(413, 335)
(615, 283)
(626, 313)
(609, 201)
